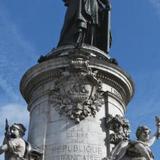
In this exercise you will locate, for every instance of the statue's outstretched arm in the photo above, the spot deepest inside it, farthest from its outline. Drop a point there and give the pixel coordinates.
(157, 134)
(152, 139)
(3, 148)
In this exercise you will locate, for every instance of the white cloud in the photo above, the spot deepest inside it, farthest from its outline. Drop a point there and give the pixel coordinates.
(156, 5)
(8, 89)
(11, 32)
(16, 54)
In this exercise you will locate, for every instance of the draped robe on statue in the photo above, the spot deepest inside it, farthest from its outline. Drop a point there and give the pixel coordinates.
(90, 18)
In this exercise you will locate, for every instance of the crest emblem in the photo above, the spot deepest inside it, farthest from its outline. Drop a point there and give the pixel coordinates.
(77, 95)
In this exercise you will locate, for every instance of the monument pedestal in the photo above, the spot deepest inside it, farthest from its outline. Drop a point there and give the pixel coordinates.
(69, 97)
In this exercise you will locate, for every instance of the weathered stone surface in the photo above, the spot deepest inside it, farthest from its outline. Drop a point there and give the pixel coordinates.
(55, 90)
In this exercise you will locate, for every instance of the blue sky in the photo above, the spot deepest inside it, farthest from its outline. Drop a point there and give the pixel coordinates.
(30, 28)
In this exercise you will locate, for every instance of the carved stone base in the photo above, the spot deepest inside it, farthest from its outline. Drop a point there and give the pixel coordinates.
(68, 98)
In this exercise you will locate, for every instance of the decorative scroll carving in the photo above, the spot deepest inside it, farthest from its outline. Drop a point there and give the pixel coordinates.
(77, 94)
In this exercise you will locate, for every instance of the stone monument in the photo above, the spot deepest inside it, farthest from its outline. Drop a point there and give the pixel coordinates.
(77, 95)
(73, 88)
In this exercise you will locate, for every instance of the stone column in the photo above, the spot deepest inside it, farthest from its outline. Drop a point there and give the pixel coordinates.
(68, 97)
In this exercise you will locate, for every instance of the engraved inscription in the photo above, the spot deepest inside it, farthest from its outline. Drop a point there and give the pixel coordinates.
(76, 157)
(77, 152)
(77, 135)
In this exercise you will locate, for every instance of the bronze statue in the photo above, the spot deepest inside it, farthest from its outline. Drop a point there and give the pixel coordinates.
(87, 21)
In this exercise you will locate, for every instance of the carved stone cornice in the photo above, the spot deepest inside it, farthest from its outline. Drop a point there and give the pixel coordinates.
(76, 61)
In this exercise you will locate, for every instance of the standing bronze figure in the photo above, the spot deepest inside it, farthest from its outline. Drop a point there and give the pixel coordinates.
(87, 21)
